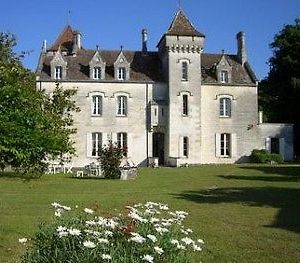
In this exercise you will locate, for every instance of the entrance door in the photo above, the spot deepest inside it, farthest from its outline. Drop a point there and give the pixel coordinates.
(158, 147)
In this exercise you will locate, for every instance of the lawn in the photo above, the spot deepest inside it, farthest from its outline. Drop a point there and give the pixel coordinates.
(243, 213)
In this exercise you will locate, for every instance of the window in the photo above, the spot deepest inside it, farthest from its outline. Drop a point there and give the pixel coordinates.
(58, 72)
(184, 71)
(185, 105)
(224, 76)
(97, 73)
(97, 105)
(122, 141)
(275, 145)
(96, 143)
(122, 106)
(185, 146)
(121, 73)
(225, 145)
(225, 107)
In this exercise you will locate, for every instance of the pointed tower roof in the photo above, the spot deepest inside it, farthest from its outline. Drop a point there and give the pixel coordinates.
(64, 40)
(181, 26)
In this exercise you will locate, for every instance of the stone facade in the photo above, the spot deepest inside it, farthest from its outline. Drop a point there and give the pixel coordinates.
(176, 106)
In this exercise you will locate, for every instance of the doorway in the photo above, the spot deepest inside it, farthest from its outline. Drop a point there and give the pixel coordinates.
(158, 147)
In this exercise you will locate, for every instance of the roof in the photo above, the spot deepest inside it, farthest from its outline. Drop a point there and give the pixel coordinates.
(143, 67)
(181, 26)
(240, 74)
(64, 40)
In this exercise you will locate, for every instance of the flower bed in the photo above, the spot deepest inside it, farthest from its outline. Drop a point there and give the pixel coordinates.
(147, 232)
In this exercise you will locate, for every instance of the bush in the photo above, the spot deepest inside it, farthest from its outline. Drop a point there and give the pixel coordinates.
(110, 158)
(145, 233)
(263, 156)
(277, 158)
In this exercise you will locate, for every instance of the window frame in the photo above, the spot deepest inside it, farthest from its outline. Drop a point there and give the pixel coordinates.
(184, 71)
(225, 106)
(97, 71)
(121, 73)
(122, 142)
(224, 76)
(122, 106)
(225, 145)
(96, 143)
(96, 105)
(58, 72)
(185, 105)
(185, 146)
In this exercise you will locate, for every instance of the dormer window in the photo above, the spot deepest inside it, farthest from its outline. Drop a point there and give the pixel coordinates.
(121, 73)
(58, 72)
(97, 67)
(224, 70)
(224, 76)
(97, 73)
(58, 66)
(122, 67)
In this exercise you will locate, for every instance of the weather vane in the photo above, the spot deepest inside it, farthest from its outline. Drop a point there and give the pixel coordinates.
(69, 17)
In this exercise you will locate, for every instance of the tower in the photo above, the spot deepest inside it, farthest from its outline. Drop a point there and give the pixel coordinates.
(180, 52)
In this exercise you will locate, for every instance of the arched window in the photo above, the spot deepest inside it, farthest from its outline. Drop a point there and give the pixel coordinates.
(225, 107)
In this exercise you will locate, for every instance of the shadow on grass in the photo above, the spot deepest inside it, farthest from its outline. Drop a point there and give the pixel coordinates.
(271, 174)
(15, 175)
(285, 199)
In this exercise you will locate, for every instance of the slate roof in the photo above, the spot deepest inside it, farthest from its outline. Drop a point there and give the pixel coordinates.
(143, 67)
(64, 40)
(240, 74)
(181, 26)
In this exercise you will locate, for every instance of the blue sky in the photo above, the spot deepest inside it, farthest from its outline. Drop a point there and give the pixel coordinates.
(113, 23)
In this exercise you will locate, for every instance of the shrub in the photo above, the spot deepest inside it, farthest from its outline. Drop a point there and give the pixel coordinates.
(110, 158)
(145, 233)
(277, 158)
(263, 156)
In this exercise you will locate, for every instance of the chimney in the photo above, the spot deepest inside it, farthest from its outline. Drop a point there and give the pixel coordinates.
(241, 44)
(44, 47)
(76, 42)
(144, 40)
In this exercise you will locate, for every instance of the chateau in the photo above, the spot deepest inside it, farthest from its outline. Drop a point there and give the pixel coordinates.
(176, 106)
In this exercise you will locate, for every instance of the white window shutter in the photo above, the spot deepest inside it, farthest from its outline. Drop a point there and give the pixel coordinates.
(233, 145)
(89, 144)
(281, 147)
(218, 144)
(268, 144)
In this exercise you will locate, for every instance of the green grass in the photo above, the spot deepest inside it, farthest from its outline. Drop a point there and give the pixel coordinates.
(243, 213)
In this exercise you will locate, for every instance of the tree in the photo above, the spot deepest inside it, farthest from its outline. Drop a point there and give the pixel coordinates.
(279, 93)
(35, 126)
